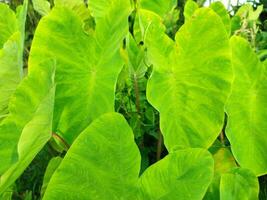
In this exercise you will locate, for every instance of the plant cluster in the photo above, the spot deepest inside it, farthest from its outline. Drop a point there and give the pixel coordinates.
(133, 100)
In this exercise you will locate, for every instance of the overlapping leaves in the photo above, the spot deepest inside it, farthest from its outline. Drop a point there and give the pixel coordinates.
(109, 169)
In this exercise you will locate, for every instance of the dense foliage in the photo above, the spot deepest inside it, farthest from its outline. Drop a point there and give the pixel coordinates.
(140, 99)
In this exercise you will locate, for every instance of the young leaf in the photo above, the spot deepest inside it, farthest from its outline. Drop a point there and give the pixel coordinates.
(29, 125)
(223, 163)
(247, 108)
(189, 9)
(88, 63)
(239, 184)
(109, 169)
(191, 80)
(183, 175)
(41, 6)
(160, 7)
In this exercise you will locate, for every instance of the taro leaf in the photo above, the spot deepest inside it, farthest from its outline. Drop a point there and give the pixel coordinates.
(103, 163)
(142, 20)
(109, 169)
(41, 6)
(160, 7)
(183, 175)
(8, 23)
(247, 108)
(189, 9)
(51, 168)
(88, 63)
(191, 80)
(11, 52)
(220, 10)
(29, 125)
(223, 162)
(239, 184)
(10, 72)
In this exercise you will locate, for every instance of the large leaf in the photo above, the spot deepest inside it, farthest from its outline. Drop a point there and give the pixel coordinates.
(109, 168)
(103, 163)
(239, 184)
(11, 52)
(191, 80)
(183, 175)
(29, 125)
(247, 108)
(88, 63)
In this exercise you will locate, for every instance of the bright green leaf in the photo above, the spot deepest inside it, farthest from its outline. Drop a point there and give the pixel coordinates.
(189, 9)
(183, 175)
(28, 126)
(239, 184)
(41, 6)
(160, 7)
(247, 108)
(109, 168)
(191, 80)
(51, 168)
(220, 10)
(11, 52)
(102, 164)
(88, 64)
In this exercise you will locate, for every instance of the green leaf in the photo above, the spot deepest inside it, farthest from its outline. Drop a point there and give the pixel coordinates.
(10, 71)
(88, 64)
(160, 7)
(220, 10)
(247, 108)
(189, 9)
(8, 23)
(239, 184)
(51, 168)
(191, 80)
(29, 125)
(183, 175)
(109, 169)
(223, 163)
(41, 6)
(11, 52)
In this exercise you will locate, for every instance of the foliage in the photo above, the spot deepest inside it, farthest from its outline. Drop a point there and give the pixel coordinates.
(189, 83)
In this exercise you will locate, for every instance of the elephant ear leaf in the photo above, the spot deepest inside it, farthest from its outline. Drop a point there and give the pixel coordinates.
(41, 6)
(28, 126)
(11, 52)
(189, 9)
(238, 184)
(103, 163)
(160, 7)
(88, 63)
(220, 10)
(191, 82)
(247, 108)
(184, 174)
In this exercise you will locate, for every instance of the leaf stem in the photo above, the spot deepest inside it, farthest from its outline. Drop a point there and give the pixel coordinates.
(159, 145)
(58, 137)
